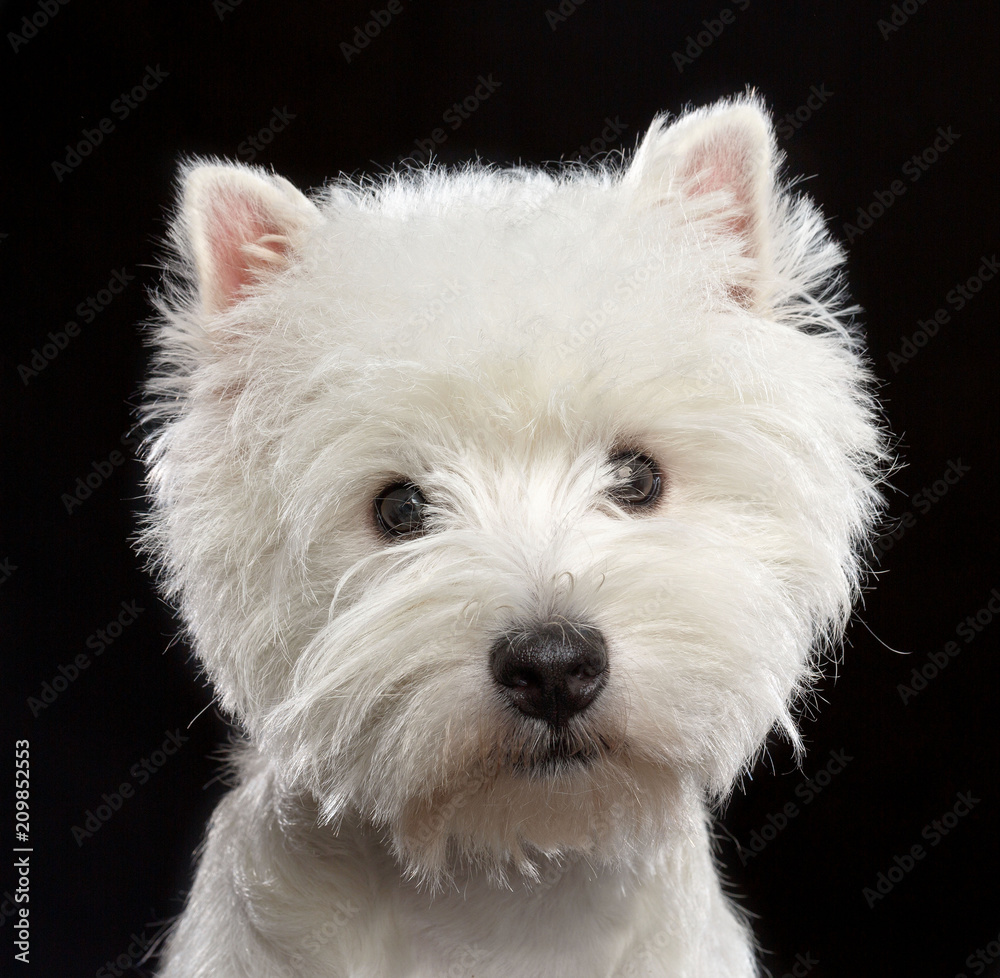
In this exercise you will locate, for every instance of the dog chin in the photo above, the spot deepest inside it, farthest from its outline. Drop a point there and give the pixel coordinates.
(562, 798)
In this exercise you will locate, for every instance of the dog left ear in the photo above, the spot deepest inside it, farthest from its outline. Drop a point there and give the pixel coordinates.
(239, 225)
(725, 152)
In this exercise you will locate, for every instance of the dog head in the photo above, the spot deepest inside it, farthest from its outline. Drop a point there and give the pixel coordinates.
(508, 509)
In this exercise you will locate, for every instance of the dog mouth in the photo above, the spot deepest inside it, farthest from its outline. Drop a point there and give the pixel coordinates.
(557, 751)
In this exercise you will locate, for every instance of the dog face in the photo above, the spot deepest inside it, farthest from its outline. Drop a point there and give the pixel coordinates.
(509, 509)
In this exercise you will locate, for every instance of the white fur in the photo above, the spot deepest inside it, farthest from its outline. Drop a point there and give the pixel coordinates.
(494, 336)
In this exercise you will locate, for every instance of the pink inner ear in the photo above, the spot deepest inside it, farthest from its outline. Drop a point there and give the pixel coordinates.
(724, 163)
(233, 222)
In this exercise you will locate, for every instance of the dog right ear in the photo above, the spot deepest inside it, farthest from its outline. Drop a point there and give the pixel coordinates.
(239, 225)
(725, 152)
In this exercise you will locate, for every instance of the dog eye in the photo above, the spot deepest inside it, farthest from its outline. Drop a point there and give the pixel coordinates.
(399, 509)
(637, 480)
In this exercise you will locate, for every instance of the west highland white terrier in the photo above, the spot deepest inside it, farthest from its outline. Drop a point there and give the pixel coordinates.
(508, 511)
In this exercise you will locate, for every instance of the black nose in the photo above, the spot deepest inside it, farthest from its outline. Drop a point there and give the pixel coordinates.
(551, 671)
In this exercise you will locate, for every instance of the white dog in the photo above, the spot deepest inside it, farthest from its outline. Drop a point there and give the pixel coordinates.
(508, 511)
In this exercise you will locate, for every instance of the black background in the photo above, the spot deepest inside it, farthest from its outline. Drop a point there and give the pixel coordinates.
(222, 70)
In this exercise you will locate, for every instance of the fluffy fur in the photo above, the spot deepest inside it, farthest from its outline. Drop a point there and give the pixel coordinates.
(496, 337)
